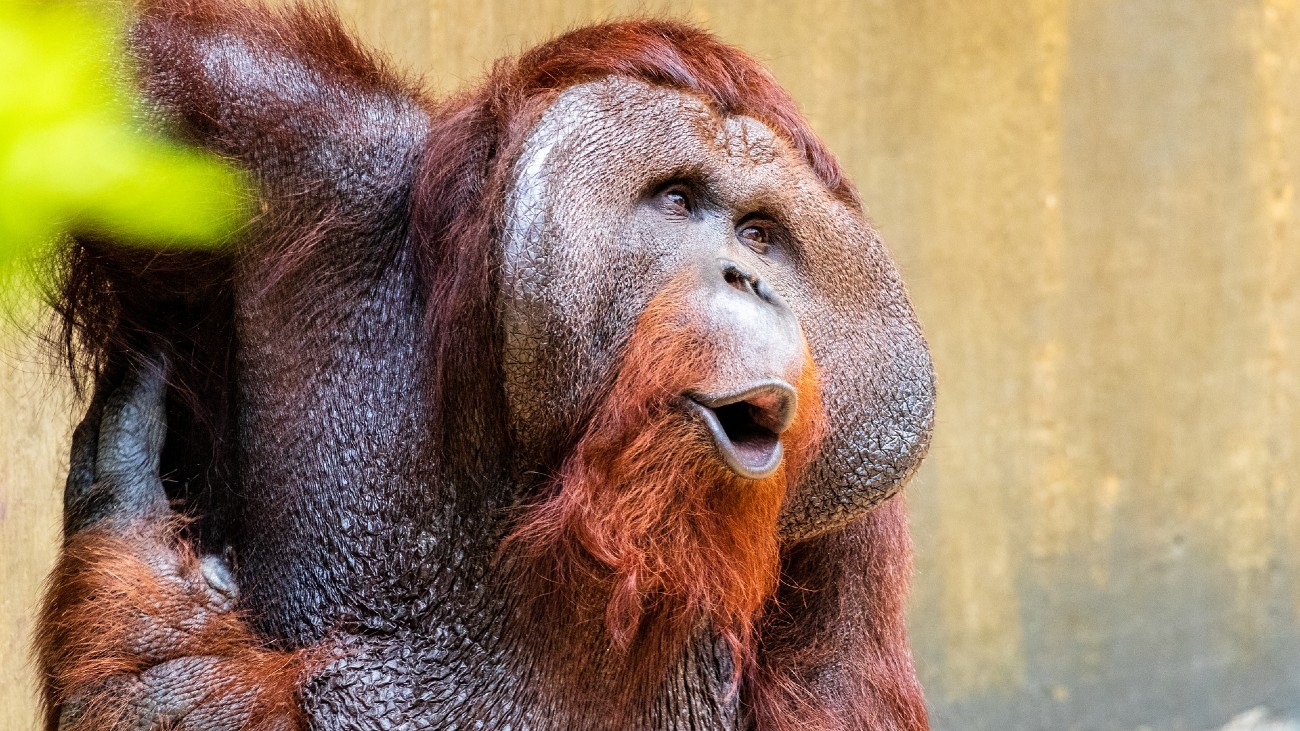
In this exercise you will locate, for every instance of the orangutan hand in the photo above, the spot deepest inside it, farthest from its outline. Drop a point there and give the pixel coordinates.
(137, 631)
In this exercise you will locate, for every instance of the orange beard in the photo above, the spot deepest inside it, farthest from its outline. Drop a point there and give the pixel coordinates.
(646, 510)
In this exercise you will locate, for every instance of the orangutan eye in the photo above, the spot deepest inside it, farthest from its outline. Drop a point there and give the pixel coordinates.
(754, 235)
(676, 201)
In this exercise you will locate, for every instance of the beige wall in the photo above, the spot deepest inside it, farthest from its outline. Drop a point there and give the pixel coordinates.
(1094, 205)
(36, 414)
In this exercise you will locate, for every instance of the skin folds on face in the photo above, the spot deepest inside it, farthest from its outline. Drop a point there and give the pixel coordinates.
(622, 186)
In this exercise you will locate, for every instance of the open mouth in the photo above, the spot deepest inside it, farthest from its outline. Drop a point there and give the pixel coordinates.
(746, 425)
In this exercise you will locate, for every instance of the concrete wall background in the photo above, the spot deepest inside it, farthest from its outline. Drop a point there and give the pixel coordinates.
(1094, 205)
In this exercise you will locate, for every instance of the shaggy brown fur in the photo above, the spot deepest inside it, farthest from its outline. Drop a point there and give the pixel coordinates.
(806, 680)
(635, 509)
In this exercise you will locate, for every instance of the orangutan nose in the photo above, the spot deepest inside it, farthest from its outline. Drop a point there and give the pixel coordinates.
(757, 333)
(743, 279)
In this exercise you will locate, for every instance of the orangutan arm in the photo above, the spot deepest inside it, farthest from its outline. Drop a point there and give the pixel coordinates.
(325, 128)
(833, 652)
(137, 631)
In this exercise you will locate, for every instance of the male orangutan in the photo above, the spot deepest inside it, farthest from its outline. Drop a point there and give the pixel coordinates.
(569, 403)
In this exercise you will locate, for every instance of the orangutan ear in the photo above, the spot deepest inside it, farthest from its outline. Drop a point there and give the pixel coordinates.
(286, 93)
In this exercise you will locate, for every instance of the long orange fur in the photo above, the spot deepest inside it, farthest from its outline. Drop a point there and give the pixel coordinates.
(644, 507)
(120, 603)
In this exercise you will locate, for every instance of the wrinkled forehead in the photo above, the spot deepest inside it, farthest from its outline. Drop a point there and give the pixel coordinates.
(620, 133)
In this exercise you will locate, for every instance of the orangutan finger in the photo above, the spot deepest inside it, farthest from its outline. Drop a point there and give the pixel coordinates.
(77, 490)
(132, 430)
(196, 693)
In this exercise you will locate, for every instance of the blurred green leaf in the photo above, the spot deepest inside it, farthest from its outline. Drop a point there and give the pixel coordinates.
(72, 156)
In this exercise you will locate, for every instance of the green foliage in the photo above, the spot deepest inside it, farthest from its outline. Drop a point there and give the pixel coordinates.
(72, 154)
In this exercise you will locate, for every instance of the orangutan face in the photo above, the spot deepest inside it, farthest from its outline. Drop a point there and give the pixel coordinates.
(719, 345)
(623, 191)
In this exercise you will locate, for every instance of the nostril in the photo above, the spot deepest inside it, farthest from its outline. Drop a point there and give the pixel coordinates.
(739, 278)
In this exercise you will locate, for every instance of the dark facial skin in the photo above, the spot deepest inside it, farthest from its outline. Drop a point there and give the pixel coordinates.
(358, 529)
(651, 182)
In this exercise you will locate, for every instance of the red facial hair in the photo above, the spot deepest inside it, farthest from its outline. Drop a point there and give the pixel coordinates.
(644, 508)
